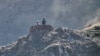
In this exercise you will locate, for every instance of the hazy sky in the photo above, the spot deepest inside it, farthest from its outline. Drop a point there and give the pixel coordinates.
(16, 16)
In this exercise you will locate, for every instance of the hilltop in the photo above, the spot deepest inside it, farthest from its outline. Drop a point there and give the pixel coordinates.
(44, 40)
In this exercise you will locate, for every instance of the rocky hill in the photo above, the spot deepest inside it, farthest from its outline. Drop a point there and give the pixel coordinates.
(44, 40)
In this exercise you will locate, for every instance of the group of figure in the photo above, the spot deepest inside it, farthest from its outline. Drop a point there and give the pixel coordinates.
(43, 22)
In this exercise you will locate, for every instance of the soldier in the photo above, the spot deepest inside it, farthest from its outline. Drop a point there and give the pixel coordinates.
(44, 21)
(37, 23)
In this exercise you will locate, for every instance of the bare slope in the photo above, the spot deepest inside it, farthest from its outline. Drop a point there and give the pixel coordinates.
(43, 40)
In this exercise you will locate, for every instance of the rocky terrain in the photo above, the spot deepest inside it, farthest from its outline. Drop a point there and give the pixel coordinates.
(44, 40)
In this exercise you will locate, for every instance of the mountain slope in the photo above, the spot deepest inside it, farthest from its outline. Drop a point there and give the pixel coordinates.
(44, 40)
(16, 16)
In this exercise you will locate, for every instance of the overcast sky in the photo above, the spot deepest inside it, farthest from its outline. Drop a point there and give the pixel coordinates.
(16, 16)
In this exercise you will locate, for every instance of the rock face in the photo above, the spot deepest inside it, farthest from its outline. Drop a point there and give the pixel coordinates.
(43, 40)
(41, 27)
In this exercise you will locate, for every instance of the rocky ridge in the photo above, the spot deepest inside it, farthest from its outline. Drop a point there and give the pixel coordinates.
(44, 40)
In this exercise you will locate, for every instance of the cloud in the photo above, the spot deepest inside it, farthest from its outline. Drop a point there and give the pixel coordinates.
(74, 13)
(70, 7)
(58, 8)
(94, 20)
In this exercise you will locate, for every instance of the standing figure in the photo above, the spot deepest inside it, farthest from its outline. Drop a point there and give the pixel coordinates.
(37, 23)
(43, 21)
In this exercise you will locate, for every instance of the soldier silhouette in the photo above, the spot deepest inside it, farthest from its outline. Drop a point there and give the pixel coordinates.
(43, 21)
(37, 23)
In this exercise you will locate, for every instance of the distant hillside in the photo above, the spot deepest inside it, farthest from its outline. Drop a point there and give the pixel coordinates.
(16, 16)
(44, 40)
